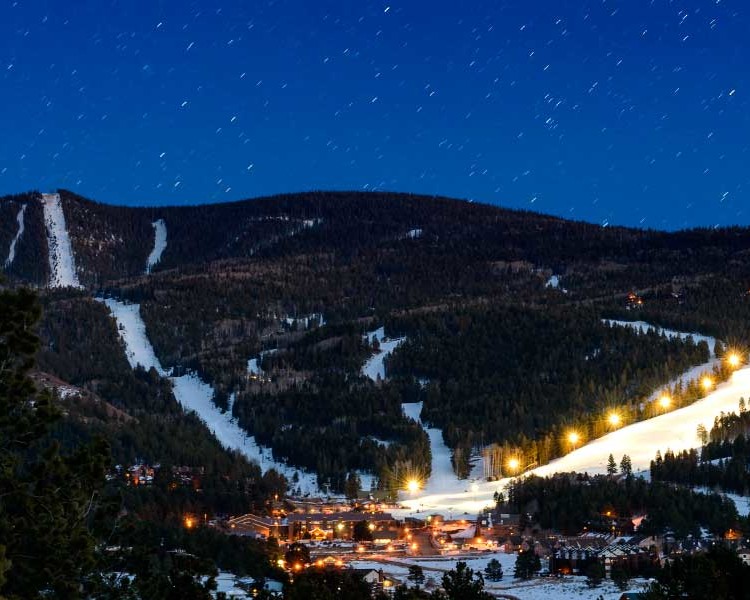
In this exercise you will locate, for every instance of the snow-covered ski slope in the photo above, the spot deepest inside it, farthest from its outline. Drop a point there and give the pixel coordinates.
(675, 430)
(642, 327)
(193, 394)
(160, 243)
(375, 365)
(442, 476)
(19, 233)
(62, 267)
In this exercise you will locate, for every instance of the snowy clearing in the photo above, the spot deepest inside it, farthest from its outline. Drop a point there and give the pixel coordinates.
(675, 430)
(374, 367)
(193, 394)
(642, 327)
(160, 243)
(62, 267)
(19, 233)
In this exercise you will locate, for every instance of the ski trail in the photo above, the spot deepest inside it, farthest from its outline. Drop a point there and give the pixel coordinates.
(442, 475)
(160, 243)
(196, 395)
(62, 265)
(374, 367)
(19, 233)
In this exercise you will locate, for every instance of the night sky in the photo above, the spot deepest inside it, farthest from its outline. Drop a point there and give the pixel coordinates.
(633, 112)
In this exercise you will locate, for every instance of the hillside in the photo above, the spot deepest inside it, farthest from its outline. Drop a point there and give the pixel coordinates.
(268, 301)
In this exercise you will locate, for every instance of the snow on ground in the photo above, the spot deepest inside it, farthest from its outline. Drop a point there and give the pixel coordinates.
(160, 243)
(19, 233)
(375, 366)
(442, 475)
(253, 365)
(742, 503)
(534, 589)
(307, 321)
(675, 430)
(62, 265)
(643, 328)
(194, 394)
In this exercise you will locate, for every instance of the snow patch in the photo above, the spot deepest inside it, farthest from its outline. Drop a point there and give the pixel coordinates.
(160, 243)
(19, 233)
(193, 394)
(62, 265)
(643, 328)
(305, 322)
(374, 367)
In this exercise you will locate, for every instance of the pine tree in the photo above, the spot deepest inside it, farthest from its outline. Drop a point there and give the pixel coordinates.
(416, 575)
(463, 584)
(494, 570)
(527, 563)
(353, 485)
(595, 574)
(611, 466)
(626, 466)
(48, 498)
(702, 434)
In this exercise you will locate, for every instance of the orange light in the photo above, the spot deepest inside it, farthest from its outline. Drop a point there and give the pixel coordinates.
(360, 548)
(189, 522)
(413, 485)
(297, 567)
(614, 419)
(707, 383)
(414, 546)
(513, 464)
(665, 401)
(734, 360)
(574, 437)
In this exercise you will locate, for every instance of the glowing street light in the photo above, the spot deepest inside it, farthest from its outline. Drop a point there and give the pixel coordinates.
(734, 360)
(413, 485)
(513, 464)
(665, 401)
(707, 383)
(573, 438)
(614, 419)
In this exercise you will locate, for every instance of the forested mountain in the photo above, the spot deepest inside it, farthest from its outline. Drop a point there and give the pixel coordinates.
(500, 310)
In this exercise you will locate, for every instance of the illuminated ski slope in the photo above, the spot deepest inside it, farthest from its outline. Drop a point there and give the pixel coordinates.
(674, 430)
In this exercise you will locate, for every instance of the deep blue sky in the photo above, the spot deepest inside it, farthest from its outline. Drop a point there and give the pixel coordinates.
(628, 112)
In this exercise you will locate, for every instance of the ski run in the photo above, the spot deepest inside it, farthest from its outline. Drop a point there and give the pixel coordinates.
(62, 267)
(444, 493)
(160, 243)
(196, 395)
(19, 233)
(374, 367)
